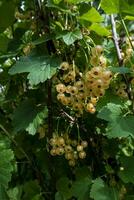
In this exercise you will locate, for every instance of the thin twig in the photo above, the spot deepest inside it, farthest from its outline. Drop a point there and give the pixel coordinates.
(115, 38)
(120, 59)
(72, 120)
(127, 33)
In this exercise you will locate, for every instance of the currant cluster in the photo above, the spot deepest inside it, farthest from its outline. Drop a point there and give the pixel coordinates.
(81, 91)
(71, 149)
(127, 54)
(121, 90)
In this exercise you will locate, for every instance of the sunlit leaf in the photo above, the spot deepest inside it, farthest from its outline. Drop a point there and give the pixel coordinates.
(38, 120)
(99, 29)
(101, 191)
(92, 16)
(39, 68)
(71, 37)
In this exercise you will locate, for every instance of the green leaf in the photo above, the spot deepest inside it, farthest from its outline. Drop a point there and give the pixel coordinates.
(126, 7)
(110, 6)
(100, 191)
(77, 1)
(3, 193)
(80, 188)
(62, 186)
(6, 156)
(109, 97)
(110, 112)
(15, 193)
(92, 16)
(121, 70)
(57, 1)
(117, 6)
(82, 172)
(24, 114)
(71, 37)
(32, 190)
(121, 127)
(128, 17)
(40, 68)
(58, 196)
(3, 43)
(127, 174)
(99, 29)
(129, 197)
(118, 126)
(38, 120)
(7, 10)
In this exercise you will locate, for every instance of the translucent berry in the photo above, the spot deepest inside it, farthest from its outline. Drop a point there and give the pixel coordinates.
(82, 154)
(64, 66)
(96, 72)
(61, 141)
(99, 49)
(72, 163)
(53, 152)
(84, 143)
(61, 88)
(68, 148)
(79, 147)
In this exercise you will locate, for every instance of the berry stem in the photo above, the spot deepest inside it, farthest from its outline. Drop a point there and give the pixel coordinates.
(115, 38)
(127, 33)
(79, 138)
(120, 60)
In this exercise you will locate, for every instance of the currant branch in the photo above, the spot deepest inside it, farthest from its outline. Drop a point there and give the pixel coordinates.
(120, 59)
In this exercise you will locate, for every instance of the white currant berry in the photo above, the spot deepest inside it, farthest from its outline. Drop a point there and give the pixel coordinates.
(79, 147)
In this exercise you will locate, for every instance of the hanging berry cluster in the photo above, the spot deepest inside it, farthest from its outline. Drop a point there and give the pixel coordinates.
(71, 149)
(81, 91)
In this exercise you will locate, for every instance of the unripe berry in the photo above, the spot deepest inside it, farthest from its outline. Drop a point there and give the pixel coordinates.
(74, 143)
(75, 155)
(123, 86)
